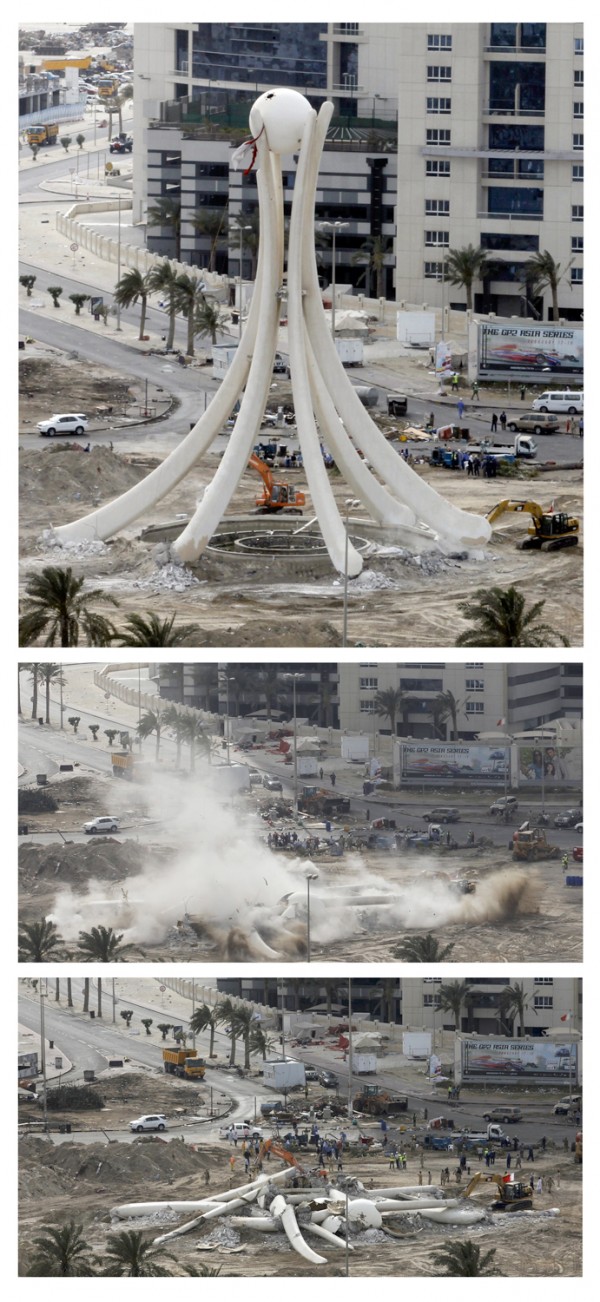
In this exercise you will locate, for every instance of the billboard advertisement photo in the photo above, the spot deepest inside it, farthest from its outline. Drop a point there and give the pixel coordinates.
(502, 1059)
(462, 760)
(543, 351)
(551, 763)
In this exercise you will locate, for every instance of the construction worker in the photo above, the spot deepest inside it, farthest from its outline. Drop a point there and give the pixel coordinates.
(565, 862)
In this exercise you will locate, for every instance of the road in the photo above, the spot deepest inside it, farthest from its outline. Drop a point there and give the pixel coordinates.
(89, 1043)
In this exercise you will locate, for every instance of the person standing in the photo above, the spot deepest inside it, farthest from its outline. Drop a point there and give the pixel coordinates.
(502, 419)
(522, 391)
(332, 779)
(460, 407)
(475, 391)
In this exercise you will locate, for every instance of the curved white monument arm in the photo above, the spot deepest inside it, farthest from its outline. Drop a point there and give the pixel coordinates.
(197, 534)
(325, 507)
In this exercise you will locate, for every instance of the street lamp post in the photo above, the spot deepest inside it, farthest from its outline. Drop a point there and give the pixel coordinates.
(228, 680)
(242, 229)
(310, 877)
(119, 258)
(43, 993)
(333, 227)
(350, 502)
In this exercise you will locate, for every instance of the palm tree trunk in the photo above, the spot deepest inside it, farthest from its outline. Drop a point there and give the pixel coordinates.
(34, 697)
(190, 332)
(69, 993)
(232, 1050)
(212, 1039)
(47, 700)
(144, 303)
(99, 1013)
(247, 1051)
(86, 994)
(172, 315)
(19, 710)
(57, 989)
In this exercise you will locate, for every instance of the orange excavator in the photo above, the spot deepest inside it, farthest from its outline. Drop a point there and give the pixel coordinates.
(276, 496)
(278, 1149)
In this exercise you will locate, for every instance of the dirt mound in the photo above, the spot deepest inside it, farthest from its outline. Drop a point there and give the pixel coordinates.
(113, 1166)
(105, 859)
(257, 632)
(60, 476)
(36, 800)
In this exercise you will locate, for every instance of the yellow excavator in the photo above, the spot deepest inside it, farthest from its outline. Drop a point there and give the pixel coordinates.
(549, 529)
(513, 1195)
(276, 497)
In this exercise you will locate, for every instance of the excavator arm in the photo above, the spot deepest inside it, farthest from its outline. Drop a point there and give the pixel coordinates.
(527, 508)
(264, 472)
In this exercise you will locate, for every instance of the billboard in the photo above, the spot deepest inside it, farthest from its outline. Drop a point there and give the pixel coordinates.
(526, 1059)
(554, 764)
(463, 760)
(545, 351)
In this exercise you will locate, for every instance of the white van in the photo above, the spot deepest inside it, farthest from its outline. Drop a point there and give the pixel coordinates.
(566, 400)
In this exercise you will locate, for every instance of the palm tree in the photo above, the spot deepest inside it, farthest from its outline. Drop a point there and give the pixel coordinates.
(251, 237)
(540, 272)
(502, 620)
(164, 1028)
(130, 1254)
(389, 992)
(39, 942)
(50, 673)
(225, 1011)
(373, 253)
(190, 296)
(57, 608)
(451, 998)
(151, 630)
(63, 1252)
(447, 707)
(464, 1259)
(194, 732)
(208, 319)
(244, 1022)
(69, 992)
(131, 288)
(102, 945)
(203, 1272)
(390, 702)
(464, 266)
(211, 222)
(174, 719)
(260, 1042)
(151, 721)
(422, 949)
(515, 1003)
(34, 673)
(163, 280)
(167, 212)
(203, 1018)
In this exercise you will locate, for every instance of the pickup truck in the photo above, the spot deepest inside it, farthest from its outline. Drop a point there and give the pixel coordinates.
(470, 1139)
(440, 1143)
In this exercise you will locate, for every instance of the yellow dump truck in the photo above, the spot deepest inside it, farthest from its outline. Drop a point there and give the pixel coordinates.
(122, 764)
(184, 1062)
(43, 134)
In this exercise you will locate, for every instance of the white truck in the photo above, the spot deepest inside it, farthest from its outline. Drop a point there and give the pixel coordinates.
(231, 778)
(283, 1073)
(350, 351)
(472, 1138)
(364, 1064)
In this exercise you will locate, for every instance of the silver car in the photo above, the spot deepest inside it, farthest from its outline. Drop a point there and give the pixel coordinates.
(69, 424)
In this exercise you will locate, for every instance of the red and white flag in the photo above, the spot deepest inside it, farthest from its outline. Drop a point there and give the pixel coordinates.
(566, 1017)
(500, 723)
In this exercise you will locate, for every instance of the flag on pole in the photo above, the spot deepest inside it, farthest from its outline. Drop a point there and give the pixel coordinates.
(566, 1017)
(500, 723)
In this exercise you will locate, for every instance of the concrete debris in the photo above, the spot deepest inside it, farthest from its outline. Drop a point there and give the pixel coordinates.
(169, 578)
(48, 541)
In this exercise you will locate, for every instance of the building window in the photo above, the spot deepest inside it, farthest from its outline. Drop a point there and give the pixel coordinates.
(434, 136)
(517, 243)
(431, 1001)
(437, 167)
(474, 707)
(433, 270)
(577, 212)
(368, 684)
(578, 77)
(367, 706)
(543, 981)
(577, 244)
(577, 275)
(578, 140)
(578, 45)
(577, 172)
(474, 664)
(437, 73)
(543, 1001)
(436, 105)
(528, 202)
(474, 685)
(517, 87)
(433, 238)
(578, 108)
(437, 207)
(438, 42)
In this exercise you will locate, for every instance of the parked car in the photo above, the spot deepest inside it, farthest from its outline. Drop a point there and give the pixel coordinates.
(240, 1130)
(503, 803)
(99, 825)
(569, 401)
(311, 1073)
(63, 424)
(543, 422)
(506, 1114)
(272, 784)
(328, 1079)
(567, 1105)
(442, 814)
(255, 777)
(568, 818)
(155, 1121)
(579, 828)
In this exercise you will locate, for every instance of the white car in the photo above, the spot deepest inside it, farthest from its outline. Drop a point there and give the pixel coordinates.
(240, 1130)
(99, 825)
(69, 424)
(157, 1121)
